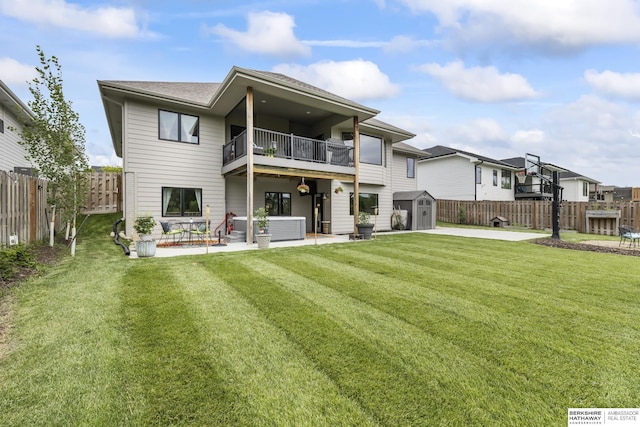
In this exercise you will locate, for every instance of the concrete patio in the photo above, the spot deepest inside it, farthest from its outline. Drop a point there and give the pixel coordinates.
(323, 239)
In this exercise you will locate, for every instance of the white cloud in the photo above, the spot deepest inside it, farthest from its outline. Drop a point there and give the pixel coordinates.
(478, 131)
(356, 79)
(102, 160)
(267, 33)
(625, 85)
(483, 84)
(593, 131)
(356, 44)
(106, 21)
(404, 44)
(532, 136)
(548, 23)
(13, 72)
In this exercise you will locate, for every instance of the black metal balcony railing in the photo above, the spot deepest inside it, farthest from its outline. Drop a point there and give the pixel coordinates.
(289, 146)
(540, 188)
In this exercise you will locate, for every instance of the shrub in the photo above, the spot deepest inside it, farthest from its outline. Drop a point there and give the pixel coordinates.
(14, 257)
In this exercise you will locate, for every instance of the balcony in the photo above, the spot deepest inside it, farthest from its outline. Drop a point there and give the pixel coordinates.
(534, 188)
(272, 144)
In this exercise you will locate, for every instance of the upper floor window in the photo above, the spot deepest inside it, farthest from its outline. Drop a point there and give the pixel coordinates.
(478, 174)
(506, 179)
(178, 127)
(370, 147)
(495, 178)
(585, 188)
(181, 201)
(411, 167)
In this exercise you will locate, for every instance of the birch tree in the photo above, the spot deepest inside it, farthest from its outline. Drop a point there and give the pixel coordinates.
(55, 140)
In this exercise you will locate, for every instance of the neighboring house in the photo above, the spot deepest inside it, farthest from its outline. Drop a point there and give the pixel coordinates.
(248, 142)
(14, 155)
(452, 174)
(575, 187)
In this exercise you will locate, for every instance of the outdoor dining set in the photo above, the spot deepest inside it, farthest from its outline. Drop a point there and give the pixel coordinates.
(191, 232)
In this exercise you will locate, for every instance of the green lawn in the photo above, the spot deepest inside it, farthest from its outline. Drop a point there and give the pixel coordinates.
(409, 329)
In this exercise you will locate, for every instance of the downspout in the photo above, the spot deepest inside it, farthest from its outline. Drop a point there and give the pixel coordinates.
(115, 235)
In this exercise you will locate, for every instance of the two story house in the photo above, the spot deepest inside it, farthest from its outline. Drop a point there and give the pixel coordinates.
(449, 173)
(249, 142)
(14, 155)
(575, 187)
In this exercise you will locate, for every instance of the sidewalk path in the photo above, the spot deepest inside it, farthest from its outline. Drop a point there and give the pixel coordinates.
(483, 233)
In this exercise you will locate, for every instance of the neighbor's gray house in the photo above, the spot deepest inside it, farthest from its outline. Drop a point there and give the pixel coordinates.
(452, 174)
(249, 142)
(14, 155)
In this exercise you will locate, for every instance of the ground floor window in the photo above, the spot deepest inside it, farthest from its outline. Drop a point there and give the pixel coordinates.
(277, 204)
(181, 201)
(367, 202)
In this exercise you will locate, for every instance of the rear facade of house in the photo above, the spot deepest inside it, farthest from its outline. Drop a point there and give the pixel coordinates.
(249, 142)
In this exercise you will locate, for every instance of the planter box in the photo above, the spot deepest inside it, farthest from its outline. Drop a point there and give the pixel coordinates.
(602, 215)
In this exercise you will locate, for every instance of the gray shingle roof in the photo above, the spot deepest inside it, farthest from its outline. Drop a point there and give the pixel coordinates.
(440, 151)
(193, 92)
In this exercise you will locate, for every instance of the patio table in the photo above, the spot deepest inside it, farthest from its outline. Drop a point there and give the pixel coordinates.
(190, 227)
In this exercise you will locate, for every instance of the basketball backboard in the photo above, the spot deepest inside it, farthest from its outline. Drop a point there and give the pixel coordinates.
(532, 164)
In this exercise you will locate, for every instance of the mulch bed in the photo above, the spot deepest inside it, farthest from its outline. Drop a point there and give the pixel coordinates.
(585, 247)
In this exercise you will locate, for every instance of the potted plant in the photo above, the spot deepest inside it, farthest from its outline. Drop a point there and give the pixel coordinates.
(270, 152)
(146, 246)
(364, 226)
(339, 190)
(302, 188)
(262, 222)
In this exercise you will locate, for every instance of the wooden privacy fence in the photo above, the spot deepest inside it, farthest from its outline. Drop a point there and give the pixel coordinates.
(23, 206)
(537, 214)
(104, 194)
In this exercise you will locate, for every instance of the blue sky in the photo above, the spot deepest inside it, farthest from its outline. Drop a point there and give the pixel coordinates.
(501, 78)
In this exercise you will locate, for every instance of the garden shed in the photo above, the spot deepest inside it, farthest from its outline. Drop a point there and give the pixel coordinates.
(420, 207)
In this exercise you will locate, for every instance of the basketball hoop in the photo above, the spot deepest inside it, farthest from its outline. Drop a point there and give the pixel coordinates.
(522, 177)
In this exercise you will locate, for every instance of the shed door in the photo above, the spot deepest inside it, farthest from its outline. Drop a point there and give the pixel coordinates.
(424, 215)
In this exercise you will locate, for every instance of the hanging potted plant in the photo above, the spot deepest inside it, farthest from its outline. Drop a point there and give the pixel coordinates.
(339, 190)
(146, 246)
(302, 187)
(262, 222)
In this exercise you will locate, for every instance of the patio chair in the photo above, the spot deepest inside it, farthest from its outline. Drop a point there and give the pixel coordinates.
(172, 230)
(198, 231)
(628, 232)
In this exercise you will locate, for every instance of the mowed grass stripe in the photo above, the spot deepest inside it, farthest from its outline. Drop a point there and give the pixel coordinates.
(517, 342)
(526, 263)
(445, 366)
(362, 369)
(60, 370)
(277, 384)
(172, 378)
(525, 300)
